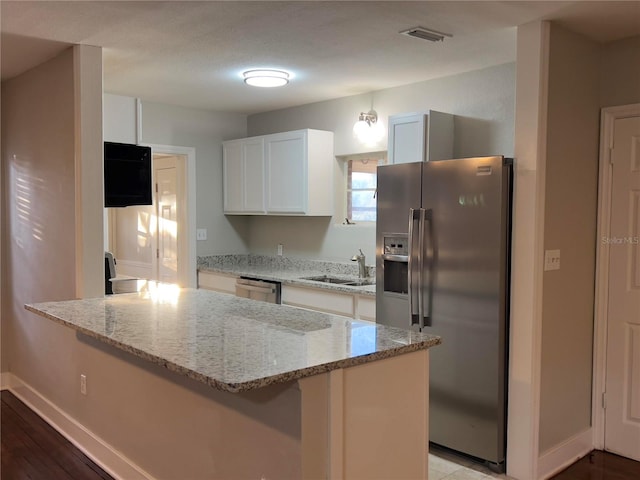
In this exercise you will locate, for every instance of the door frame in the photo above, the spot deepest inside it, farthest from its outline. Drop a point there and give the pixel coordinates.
(187, 271)
(607, 125)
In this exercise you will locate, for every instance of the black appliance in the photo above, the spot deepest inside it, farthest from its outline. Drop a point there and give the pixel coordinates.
(127, 175)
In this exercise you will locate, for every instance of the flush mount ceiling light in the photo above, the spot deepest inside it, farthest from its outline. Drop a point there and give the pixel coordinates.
(266, 78)
(368, 129)
(425, 34)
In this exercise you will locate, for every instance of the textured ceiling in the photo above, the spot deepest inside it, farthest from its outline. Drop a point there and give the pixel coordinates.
(192, 53)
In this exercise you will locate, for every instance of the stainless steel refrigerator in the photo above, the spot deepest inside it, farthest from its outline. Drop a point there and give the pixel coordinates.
(443, 249)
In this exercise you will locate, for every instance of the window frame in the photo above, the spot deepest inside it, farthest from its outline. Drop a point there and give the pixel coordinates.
(380, 158)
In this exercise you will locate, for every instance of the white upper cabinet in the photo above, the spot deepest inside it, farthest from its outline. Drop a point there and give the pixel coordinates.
(243, 175)
(288, 173)
(120, 119)
(287, 164)
(420, 137)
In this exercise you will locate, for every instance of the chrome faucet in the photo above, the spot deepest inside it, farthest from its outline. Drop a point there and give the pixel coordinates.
(362, 269)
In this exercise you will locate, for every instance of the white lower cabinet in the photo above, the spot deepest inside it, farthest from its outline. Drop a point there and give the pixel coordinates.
(218, 282)
(366, 308)
(319, 300)
(361, 307)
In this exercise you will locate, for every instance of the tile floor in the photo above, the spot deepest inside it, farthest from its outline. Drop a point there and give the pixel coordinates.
(446, 466)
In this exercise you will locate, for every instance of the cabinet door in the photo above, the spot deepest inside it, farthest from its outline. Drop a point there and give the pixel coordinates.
(366, 308)
(439, 139)
(286, 168)
(232, 177)
(253, 175)
(318, 300)
(120, 119)
(407, 138)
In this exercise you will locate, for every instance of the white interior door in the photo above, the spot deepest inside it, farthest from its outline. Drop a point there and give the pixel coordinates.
(622, 417)
(167, 204)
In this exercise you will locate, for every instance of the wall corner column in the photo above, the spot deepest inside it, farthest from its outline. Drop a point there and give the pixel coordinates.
(89, 203)
(528, 250)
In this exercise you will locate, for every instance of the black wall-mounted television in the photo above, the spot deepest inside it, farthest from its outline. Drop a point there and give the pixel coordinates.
(127, 175)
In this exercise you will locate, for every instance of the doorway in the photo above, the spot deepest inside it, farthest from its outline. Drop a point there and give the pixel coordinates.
(616, 402)
(154, 241)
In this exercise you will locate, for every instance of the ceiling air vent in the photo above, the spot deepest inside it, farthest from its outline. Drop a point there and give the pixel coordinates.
(425, 34)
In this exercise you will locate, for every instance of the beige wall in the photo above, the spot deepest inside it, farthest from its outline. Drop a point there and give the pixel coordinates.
(620, 73)
(52, 182)
(39, 254)
(570, 226)
(583, 77)
(168, 425)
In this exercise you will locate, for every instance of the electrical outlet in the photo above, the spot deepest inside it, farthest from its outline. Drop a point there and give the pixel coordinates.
(551, 260)
(83, 384)
(201, 234)
(280, 247)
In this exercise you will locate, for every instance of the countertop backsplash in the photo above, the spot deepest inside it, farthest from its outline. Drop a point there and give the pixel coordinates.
(282, 263)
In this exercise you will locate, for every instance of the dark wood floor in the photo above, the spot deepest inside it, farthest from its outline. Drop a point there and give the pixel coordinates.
(31, 449)
(601, 466)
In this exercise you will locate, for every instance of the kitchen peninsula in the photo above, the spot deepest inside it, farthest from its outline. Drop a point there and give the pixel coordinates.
(296, 394)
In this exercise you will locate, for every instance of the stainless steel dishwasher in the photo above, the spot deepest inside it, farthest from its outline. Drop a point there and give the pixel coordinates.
(263, 290)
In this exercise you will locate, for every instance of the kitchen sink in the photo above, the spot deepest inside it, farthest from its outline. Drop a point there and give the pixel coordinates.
(340, 281)
(362, 283)
(329, 279)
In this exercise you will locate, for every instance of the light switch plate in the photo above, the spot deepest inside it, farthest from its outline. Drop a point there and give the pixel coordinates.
(551, 260)
(201, 234)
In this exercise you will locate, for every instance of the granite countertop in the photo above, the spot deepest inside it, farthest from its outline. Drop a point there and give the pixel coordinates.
(289, 271)
(230, 343)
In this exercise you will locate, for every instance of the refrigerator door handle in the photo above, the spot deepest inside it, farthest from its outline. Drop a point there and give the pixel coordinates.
(426, 293)
(421, 252)
(413, 311)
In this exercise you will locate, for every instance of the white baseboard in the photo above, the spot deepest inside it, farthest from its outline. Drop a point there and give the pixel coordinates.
(5, 380)
(561, 456)
(103, 454)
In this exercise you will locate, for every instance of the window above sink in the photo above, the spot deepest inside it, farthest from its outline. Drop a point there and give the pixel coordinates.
(360, 180)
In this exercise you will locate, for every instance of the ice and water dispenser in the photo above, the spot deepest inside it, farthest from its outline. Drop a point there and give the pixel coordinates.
(396, 262)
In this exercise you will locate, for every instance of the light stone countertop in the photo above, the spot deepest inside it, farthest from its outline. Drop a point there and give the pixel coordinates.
(289, 271)
(230, 343)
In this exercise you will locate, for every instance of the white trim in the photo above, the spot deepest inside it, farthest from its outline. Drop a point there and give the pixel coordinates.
(187, 276)
(608, 118)
(6, 381)
(561, 456)
(99, 451)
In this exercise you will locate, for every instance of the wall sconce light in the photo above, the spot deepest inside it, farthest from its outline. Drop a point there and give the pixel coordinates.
(369, 128)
